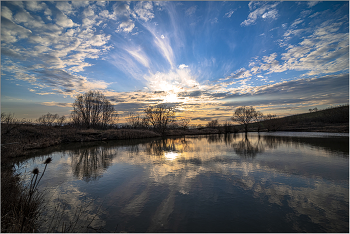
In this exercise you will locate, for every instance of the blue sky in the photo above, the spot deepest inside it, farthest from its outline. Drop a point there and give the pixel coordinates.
(204, 58)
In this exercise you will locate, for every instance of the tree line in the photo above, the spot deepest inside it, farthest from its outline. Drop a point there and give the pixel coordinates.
(93, 110)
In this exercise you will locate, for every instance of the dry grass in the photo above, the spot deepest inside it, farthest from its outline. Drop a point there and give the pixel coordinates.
(20, 209)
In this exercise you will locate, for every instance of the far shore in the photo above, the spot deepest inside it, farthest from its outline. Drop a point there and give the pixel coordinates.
(22, 140)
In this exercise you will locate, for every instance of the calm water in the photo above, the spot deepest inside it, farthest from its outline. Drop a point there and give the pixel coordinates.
(282, 182)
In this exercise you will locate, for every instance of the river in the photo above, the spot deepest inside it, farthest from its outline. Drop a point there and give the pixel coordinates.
(267, 182)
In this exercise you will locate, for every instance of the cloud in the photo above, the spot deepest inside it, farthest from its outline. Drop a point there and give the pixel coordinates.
(241, 73)
(63, 21)
(144, 10)
(6, 12)
(312, 3)
(127, 26)
(139, 55)
(190, 11)
(65, 7)
(182, 66)
(196, 93)
(266, 11)
(163, 45)
(321, 91)
(130, 107)
(229, 14)
(11, 32)
(59, 104)
(35, 6)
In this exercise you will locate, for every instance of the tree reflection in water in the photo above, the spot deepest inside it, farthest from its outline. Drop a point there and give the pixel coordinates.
(158, 147)
(246, 149)
(90, 163)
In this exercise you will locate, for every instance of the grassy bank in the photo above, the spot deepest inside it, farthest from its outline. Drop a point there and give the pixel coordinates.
(329, 120)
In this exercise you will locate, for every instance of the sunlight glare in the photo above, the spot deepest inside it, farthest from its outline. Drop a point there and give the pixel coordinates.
(171, 155)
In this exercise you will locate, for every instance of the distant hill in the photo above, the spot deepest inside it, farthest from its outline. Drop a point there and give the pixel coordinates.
(334, 119)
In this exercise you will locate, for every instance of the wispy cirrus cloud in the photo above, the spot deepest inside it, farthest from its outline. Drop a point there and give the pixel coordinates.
(266, 11)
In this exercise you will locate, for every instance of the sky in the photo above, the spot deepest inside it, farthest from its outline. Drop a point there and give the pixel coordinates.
(203, 58)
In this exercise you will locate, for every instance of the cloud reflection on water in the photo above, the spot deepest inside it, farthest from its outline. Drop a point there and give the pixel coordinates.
(300, 175)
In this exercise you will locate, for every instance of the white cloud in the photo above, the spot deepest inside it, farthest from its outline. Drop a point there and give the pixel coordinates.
(139, 55)
(63, 21)
(127, 26)
(229, 14)
(270, 14)
(144, 10)
(35, 6)
(11, 32)
(182, 66)
(296, 22)
(176, 80)
(84, 3)
(266, 11)
(6, 12)
(59, 104)
(312, 3)
(65, 7)
(88, 12)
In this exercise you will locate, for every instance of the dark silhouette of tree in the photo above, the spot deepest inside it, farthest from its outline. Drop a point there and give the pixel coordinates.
(134, 120)
(51, 119)
(244, 115)
(270, 122)
(183, 123)
(258, 117)
(160, 116)
(92, 109)
(213, 124)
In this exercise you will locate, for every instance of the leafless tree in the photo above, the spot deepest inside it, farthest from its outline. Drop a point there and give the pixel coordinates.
(258, 117)
(213, 124)
(183, 122)
(8, 118)
(8, 122)
(92, 109)
(228, 127)
(313, 110)
(270, 121)
(48, 119)
(134, 121)
(160, 116)
(244, 115)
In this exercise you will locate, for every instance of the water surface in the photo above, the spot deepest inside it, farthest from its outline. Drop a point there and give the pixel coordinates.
(272, 182)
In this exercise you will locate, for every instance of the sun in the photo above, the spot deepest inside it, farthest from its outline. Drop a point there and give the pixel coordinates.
(171, 97)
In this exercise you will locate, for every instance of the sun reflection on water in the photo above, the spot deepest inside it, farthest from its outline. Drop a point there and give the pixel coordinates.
(171, 155)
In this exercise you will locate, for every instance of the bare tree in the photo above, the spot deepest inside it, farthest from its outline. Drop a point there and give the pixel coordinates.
(269, 122)
(92, 109)
(183, 123)
(134, 121)
(258, 117)
(244, 115)
(160, 116)
(48, 119)
(8, 122)
(8, 118)
(213, 124)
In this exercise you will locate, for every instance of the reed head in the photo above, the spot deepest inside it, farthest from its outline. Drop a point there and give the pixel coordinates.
(35, 171)
(48, 160)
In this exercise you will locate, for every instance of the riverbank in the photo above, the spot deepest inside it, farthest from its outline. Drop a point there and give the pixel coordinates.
(25, 140)
(21, 140)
